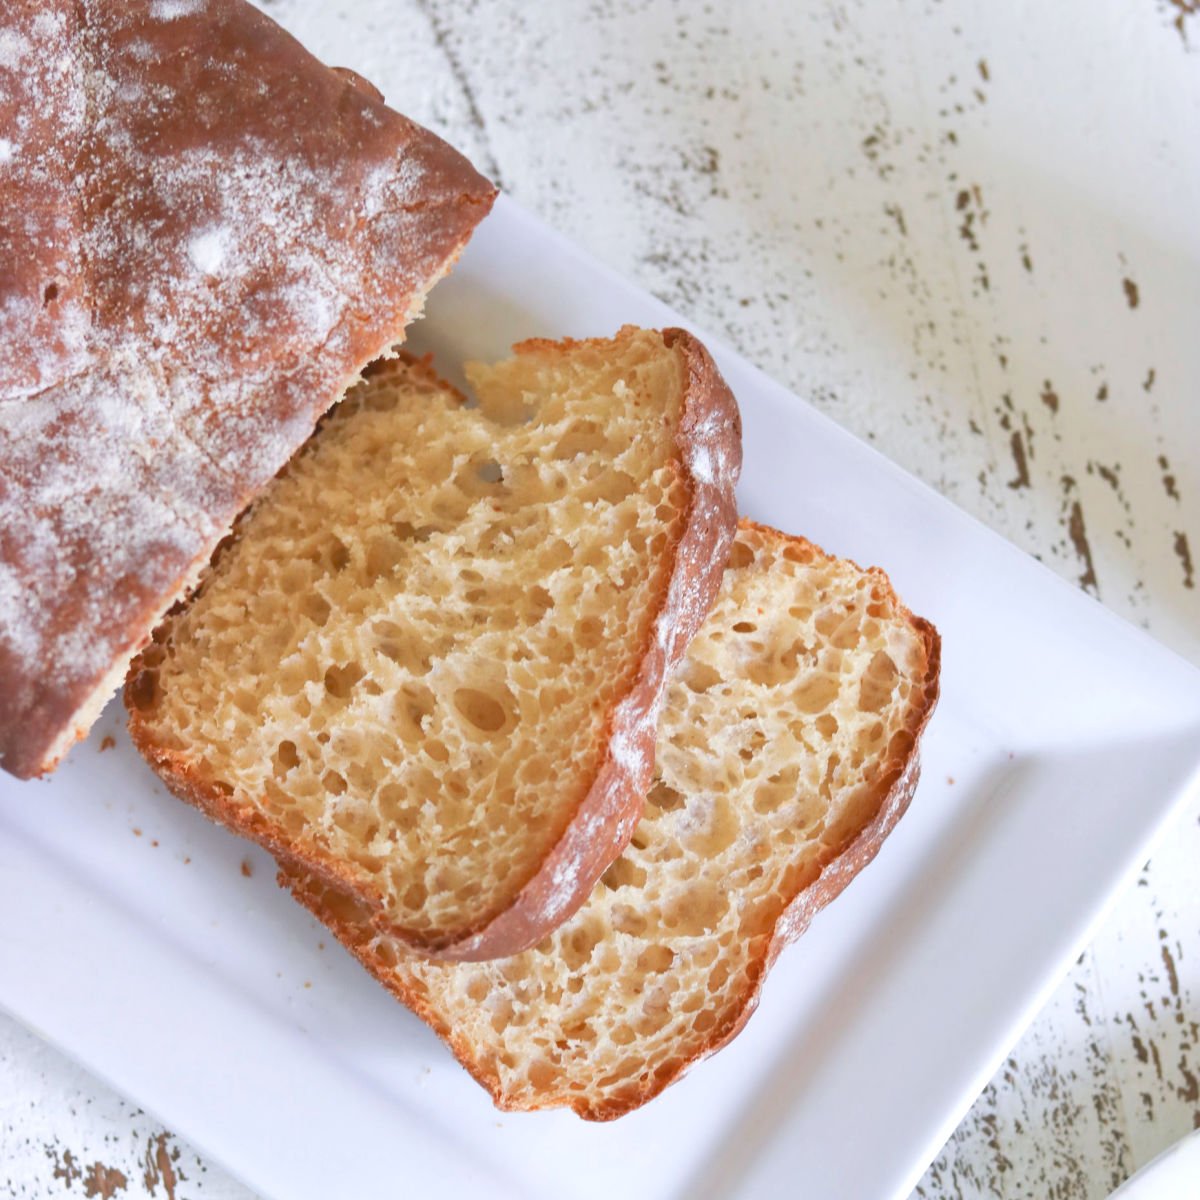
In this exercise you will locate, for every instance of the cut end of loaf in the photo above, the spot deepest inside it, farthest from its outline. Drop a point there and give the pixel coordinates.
(429, 665)
(786, 752)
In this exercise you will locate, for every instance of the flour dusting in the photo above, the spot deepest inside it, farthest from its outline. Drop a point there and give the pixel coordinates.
(702, 465)
(13, 49)
(172, 10)
(207, 251)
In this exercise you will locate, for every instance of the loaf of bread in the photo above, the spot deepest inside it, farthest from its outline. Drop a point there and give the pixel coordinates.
(429, 666)
(786, 753)
(205, 235)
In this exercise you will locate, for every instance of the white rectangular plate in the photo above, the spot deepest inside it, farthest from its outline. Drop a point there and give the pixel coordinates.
(132, 937)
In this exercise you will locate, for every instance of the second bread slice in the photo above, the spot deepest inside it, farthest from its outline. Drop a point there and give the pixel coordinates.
(429, 665)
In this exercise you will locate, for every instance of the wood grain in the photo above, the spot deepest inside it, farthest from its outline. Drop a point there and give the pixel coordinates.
(966, 232)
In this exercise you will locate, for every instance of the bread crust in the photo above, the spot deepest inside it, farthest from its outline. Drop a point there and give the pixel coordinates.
(897, 784)
(133, 337)
(708, 441)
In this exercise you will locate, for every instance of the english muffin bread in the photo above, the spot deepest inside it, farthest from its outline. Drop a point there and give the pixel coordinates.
(429, 666)
(786, 752)
(205, 235)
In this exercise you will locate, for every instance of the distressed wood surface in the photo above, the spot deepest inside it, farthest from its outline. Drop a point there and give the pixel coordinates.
(967, 232)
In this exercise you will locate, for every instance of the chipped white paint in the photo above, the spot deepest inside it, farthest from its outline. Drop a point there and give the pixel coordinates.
(62, 1134)
(965, 231)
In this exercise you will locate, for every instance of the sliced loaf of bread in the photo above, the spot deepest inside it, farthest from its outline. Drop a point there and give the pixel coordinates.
(786, 753)
(430, 663)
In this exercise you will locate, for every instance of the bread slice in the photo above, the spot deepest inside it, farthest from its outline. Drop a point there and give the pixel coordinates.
(787, 752)
(205, 235)
(431, 663)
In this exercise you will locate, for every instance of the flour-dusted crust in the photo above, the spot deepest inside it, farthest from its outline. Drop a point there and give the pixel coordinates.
(893, 791)
(205, 235)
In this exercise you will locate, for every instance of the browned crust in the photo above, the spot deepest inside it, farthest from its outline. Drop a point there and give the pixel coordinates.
(608, 814)
(896, 787)
(42, 712)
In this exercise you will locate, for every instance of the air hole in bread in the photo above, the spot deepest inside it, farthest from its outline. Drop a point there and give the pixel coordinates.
(664, 797)
(485, 712)
(316, 608)
(340, 680)
(337, 555)
(699, 676)
(878, 683)
(435, 749)
(624, 873)
(655, 959)
(827, 725)
(286, 757)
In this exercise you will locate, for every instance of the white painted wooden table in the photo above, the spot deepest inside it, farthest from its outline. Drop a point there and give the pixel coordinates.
(969, 232)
